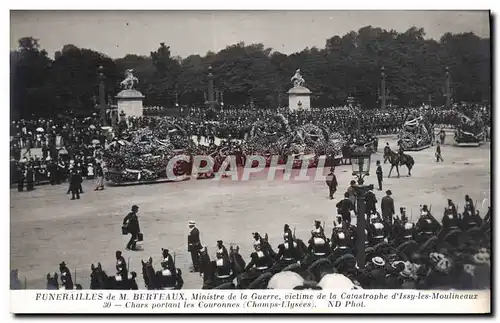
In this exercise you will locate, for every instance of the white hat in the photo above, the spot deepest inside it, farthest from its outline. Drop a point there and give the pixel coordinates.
(336, 281)
(191, 222)
(378, 261)
(285, 280)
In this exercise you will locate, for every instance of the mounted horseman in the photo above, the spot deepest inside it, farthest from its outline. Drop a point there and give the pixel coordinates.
(289, 251)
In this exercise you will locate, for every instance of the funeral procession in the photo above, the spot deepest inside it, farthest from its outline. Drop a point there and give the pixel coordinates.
(360, 162)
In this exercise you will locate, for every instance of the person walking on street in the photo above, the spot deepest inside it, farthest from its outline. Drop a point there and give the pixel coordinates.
(331, 182)
(74, 184)
(438, 153)
(194, 245)
(131, 222)
(99, 173)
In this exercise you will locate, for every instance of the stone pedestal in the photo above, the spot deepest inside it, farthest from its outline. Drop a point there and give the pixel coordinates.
(299, 98)
(130, 102)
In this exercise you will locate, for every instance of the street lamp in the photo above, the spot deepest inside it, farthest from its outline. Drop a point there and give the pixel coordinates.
(361, 158)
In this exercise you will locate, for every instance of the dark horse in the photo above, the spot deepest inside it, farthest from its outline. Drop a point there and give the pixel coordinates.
(100, 280)
(400, 159)
(155, 280)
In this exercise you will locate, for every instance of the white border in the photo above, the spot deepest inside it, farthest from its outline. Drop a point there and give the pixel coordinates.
(213, 4)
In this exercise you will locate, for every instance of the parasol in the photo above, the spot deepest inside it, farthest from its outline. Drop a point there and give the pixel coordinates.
(95, 141)
(63, 152)
(40, 129)
(92, 126)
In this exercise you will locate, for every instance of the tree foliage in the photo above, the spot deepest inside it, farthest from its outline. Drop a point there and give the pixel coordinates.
(348, 65)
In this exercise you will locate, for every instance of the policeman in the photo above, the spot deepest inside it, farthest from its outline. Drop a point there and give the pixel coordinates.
(380, 175)
(66, 279)
(331, 182)
(259, 259)
(194, 245)
(121, 266)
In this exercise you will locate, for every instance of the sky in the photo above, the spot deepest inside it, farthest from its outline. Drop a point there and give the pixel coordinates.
(117, 33)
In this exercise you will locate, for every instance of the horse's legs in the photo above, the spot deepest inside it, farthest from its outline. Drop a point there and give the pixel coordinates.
(409, 170)
(390, 171)
(397, 169)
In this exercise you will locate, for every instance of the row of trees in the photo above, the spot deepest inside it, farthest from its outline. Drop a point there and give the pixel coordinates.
(349, 65)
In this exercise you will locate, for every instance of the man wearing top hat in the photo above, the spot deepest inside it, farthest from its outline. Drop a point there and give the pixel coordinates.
(131, 221)
(387, 207)
(194, 245)
(66, 279)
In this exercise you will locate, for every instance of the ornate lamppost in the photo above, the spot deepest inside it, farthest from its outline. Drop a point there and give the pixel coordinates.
(361, 168)
(102, 96)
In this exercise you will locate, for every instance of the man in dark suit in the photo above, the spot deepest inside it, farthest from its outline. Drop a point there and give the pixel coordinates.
(379, 175)
(387, 207)
(74, 184)
(194, 245)
(331, 182)
(131, 221)
(344, 208)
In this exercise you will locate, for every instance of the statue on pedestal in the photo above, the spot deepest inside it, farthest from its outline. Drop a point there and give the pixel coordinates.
(129, 81)
(297, 79)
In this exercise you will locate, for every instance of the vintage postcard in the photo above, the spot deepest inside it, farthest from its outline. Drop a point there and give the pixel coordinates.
(250, 162)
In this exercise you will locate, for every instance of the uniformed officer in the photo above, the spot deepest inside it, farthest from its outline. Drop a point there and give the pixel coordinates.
(287, 251)
(121, 266)
(427, 224)
(341, 236)
(194, 245)
(66, 279)
(344, 208)
(331, 182)
(259, 259)
(222, 251)
(168, 261)
(377, 230)
(379, 175)
(222, 266)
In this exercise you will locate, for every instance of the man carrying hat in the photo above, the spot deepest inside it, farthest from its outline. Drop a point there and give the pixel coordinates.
(194, 245)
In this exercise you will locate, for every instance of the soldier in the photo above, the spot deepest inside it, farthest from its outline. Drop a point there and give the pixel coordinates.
(379, 175)
(450, 219)
(331, 182)
(168, 261)
(121, 266)
(377, 230)
(341, 236)
(287, 251)
(469, 205)
(259, 259)
(222, 266)
(387, 207)
(426, 225)
(131, 222)
(66, 279)
(345, 207)
(221, 249)
(409, 227)
(318, 242)
(194, 245)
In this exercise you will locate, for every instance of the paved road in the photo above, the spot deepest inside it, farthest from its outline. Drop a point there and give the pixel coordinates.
(47, 228)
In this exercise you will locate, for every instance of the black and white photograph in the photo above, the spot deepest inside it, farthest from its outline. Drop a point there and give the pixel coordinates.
(322, 154)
